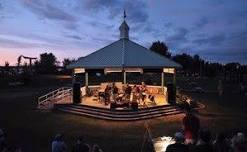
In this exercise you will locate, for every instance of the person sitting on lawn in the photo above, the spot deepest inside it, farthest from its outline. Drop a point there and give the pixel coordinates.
(96, 148)
(3, 146)
(204, 142)
(81, 146)
(239, 143)
(179, 145)
(58, 144)
(221, 144)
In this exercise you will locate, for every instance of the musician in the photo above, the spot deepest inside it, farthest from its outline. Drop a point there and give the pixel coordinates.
(143, 87)
(136, 93)
(114, 91)
(136, 89)
(107, 94)
(127, 91)
(143, 92)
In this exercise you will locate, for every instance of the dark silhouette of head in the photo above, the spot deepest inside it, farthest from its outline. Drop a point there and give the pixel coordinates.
(179, 137)
(205, 135)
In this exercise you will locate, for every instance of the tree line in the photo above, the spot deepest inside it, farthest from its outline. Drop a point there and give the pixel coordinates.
(195, 65)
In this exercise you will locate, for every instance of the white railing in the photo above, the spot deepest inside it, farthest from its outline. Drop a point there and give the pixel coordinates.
(48, 100)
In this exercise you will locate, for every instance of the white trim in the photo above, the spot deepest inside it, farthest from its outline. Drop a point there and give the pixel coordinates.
(169, 70)
(86, 79)
(79, 70)
(129, 70)
(125, 80)
(109, 70)
(140, 70)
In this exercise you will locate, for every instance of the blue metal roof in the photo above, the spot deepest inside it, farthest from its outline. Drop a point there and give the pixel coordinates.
(123, 53)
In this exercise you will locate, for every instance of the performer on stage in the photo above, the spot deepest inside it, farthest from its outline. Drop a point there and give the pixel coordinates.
(127, 92)
(114, 92)
(136, 93)
(143, 92)
(107, 94)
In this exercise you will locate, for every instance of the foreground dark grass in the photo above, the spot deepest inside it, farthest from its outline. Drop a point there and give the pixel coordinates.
(33, 130)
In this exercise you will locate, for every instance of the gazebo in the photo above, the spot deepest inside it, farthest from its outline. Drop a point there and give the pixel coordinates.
(124, 56)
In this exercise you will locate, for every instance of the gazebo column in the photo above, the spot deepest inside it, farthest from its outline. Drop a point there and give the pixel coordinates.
(124, 77)
(86, 78)
(174, 77)
(73, 76)
(162, 80)
(174, 82)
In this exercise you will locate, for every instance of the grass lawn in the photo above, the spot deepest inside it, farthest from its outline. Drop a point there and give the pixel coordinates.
(33, 129)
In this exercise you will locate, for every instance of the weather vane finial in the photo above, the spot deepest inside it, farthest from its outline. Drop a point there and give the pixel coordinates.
(124, 14)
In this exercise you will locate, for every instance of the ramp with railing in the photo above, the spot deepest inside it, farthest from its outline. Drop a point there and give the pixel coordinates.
(48, 100)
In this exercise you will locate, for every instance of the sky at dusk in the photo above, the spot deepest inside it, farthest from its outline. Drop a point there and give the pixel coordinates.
(214, 29)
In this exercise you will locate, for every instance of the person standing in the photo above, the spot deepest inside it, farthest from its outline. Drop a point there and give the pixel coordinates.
(191, 126)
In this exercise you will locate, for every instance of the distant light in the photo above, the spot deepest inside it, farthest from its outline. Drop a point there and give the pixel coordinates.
(98, 74)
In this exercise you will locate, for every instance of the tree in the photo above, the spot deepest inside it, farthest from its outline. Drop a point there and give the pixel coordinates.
(47, 64)
(6, 66)
(212, 69)
(197, 64)
(160, 48)
(66, 62)
(233, 69)
(185, 60)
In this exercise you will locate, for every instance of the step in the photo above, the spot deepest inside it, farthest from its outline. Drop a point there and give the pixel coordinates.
(130, 111)
(121, 119)
(121, 115)
(117, 110)
(80, 105)
(112, 114)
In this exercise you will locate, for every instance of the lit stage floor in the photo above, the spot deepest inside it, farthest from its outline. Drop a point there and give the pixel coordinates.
(93, 101)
